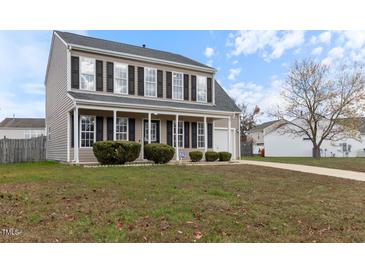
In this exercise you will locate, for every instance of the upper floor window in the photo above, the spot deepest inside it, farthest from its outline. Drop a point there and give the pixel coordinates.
(150, 82)
(87, 73)
(180, 133)
(122, 129)
(121, 78)
(201, 88)
(177, 86)
(201, 135)
(87, 133)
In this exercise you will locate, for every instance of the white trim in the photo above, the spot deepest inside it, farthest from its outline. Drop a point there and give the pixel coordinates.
(142, 58)
(68, 72)
(114, 90)
(213, 89)
(229, 134)
(68, 136)
(172, 86)
(144, 82)
(81, 129)
(80, 72)
(205, 134)
(197, 135)
(122, 117)
(114, 125)
(146, 119)
(76, 135)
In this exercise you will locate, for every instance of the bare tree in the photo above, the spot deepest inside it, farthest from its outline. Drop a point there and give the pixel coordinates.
(248, 119)
(322, 102)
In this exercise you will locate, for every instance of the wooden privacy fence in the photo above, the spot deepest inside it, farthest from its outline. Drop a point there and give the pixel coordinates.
(22, 150)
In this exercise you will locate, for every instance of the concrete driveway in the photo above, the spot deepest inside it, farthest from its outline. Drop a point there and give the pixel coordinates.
(339, 173)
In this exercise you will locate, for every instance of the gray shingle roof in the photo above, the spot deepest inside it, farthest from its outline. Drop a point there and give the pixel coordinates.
(263, 125)
(71, 38)
(23, 123)
(223, 101)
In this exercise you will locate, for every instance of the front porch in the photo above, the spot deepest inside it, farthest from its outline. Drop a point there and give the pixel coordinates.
(88, 124)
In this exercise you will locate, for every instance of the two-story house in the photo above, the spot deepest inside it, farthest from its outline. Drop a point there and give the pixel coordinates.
(103, 90)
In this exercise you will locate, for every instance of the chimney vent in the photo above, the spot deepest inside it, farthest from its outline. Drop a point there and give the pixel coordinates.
(144, 45)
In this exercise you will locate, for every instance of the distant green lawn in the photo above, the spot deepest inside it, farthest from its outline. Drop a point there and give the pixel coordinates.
(50, 202)
(355, 164)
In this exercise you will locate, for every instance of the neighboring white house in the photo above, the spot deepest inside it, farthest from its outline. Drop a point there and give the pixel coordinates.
(22, 128)
(281, 144)
(258, 133)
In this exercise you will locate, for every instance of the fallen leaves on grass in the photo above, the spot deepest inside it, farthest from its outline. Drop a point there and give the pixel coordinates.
(119, 226)
(198, 235)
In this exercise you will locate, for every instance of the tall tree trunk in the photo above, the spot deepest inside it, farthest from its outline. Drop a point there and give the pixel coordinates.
(316, 152)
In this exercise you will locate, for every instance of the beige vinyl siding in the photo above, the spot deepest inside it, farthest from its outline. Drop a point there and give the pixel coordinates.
(137, 64)
(57, 102)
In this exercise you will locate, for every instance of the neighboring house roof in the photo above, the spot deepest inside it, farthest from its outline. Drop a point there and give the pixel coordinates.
(80, 40)
(263, 126)
(223, 101)
(23, 123)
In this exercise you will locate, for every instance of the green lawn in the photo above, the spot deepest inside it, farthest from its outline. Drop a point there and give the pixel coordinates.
(51, 202)
(355, 164)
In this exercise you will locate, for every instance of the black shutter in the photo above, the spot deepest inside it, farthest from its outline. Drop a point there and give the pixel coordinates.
(157, 131)
(209, 90)
(110, 77)
(186, 134)
(72, 130)
(169, 133)
(210, 135)
(193, 87)
(159, 84)
(99, 128)
(131, 129)
(186, 87)
(194, 135)
(99, 75)
(168, 84)
(131, 80)
(75, 77)
(109, 128)
(140, 81)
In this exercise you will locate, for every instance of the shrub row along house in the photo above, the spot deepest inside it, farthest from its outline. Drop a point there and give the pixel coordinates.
(104, 90)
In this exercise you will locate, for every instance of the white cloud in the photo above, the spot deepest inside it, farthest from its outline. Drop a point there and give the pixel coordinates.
(325, 37)
(317, 51)
(233, 73)
(209, 52)
(270, 44)
(355, 39)
(334, 54)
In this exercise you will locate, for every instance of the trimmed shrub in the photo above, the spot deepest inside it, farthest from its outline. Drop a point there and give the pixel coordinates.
(116, 152)
(196, 155)
(159, 153)
(224, 156)
(211, 156)
(127, 151)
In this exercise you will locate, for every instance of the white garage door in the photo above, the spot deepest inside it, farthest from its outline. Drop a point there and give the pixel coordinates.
(221, 140)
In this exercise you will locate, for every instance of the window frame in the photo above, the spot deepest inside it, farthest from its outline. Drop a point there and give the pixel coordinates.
(80, 132)
(114, 78)
(173, 86)
(80, 66)
(127, 132)
(145, 81)
(199, 135)
(198, 90)
(174, 134)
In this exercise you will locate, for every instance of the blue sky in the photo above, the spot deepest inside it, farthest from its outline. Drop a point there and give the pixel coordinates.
(251, 64)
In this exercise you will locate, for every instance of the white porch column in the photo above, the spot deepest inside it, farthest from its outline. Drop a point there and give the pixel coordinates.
(76, 135)
(205, 134)
(229, 134)
(149, 127)
(68, 135)
(114, 125)
(177, 137)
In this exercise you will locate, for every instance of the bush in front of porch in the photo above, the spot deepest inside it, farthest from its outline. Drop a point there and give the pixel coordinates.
(211, 156)
(196, 155)
(159, 153)
(116, 152)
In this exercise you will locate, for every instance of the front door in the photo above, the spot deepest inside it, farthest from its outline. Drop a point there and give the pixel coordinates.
(155, 131)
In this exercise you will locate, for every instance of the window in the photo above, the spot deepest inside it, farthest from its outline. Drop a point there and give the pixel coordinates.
(177, 86)
(87, 73)
(153, 132)
(201, 88)
(201, 137)
(122, 129)
(150, 82)
(121, 78)
(87, 131)
(180, 133)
